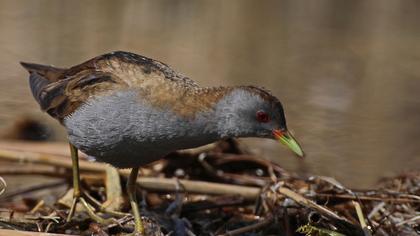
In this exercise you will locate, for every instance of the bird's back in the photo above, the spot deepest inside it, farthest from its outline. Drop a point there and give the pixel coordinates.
(61, 91)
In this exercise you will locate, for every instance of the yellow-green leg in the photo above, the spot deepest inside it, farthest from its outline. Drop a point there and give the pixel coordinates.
(76, 180)
(77, 193)
(131, 190)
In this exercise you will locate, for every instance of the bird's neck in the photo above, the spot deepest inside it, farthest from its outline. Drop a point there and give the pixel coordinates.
(223, 119)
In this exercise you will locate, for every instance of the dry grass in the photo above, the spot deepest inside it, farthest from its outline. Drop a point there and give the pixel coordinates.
(216, 190)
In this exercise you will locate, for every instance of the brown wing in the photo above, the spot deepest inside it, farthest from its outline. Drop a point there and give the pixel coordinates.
(61, 91)
(61, 98)
(125, 64)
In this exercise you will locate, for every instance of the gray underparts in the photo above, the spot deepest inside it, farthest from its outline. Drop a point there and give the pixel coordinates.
(124, 131)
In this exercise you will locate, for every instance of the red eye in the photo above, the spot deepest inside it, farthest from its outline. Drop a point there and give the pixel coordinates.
(262, 117)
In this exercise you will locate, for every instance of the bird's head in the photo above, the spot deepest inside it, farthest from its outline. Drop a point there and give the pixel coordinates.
(249, 111)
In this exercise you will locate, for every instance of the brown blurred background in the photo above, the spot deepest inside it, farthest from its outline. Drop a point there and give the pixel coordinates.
(348, 72)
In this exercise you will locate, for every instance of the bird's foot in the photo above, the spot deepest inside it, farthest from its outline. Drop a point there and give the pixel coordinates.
(91, 210)
(104, 209)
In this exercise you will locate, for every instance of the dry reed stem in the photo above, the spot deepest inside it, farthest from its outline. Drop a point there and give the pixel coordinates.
(308, 203)
(27, 233)
(114, 195)
(361, 218)
(150, 183)
(201, 187)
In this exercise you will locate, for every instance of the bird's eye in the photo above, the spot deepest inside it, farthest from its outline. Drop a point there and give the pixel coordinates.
(262, 117)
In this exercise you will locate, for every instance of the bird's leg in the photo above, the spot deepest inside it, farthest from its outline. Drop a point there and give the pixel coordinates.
(76, 180)
(131, 190)
(77, 192)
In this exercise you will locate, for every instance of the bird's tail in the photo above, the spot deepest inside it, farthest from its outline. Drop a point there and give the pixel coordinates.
(40, 76)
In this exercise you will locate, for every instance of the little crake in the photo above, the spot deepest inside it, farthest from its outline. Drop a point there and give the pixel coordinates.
(129, 110)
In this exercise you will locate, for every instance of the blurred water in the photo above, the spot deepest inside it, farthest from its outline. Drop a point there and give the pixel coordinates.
(346, 71)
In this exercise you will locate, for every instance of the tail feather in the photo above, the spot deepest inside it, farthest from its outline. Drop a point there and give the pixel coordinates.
(37, 84)
(40, 76)
(49, 72)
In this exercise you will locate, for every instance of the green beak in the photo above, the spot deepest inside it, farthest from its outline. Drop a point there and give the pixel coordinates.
(286, 138)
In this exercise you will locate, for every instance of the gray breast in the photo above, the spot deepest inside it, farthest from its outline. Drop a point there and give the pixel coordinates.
(125, 131)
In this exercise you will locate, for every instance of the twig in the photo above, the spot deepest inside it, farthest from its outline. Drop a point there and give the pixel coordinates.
(114, 198)
(361, 218)
(211, 203)
(53, 148)
(54, 160)
(34, 188)
(376, 209)
(22, 218)
(198, 150)
(368, 198)
(37, 169)
(331, 181)
(202, 187)
(26, 233)
(119, 222)
(249, 228)
(37, 206)
(413, 219)
(306, 202)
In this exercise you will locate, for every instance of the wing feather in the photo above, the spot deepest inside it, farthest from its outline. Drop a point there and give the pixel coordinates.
(61, 91)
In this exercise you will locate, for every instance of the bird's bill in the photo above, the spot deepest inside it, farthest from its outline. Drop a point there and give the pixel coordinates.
(286, 138)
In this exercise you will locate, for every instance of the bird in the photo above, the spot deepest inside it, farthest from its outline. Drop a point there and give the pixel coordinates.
(129, 110)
